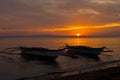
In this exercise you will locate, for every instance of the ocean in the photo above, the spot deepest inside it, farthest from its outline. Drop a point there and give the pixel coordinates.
(17, 66)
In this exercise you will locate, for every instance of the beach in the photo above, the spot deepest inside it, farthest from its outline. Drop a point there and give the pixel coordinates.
(21, 66)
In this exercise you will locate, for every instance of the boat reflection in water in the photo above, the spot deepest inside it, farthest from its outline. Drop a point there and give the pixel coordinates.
(38, 60)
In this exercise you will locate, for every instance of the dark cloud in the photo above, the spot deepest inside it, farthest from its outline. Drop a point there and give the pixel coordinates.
(19, 14)
(23, 14)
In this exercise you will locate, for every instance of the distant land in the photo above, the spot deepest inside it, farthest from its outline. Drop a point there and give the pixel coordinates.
(54, 36)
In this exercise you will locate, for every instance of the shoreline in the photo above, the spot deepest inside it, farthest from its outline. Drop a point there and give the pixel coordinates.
(102, 74)
(103, 71)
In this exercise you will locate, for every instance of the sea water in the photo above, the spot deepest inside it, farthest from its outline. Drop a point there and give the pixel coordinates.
(17, 66)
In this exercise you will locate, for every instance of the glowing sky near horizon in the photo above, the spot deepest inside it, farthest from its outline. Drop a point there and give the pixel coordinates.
(60, 17)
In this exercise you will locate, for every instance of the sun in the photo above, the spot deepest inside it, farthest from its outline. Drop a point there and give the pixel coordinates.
(78, 34)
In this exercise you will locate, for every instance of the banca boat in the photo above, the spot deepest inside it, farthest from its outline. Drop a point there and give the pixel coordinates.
(85, 50)
(41, 52)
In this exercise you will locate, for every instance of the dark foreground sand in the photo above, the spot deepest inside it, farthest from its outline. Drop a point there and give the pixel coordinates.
(105, 74)
(103, 71)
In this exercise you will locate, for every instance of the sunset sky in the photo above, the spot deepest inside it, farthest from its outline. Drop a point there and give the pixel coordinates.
(60, 17)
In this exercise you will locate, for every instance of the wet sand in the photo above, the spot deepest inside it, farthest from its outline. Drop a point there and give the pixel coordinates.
(103, 71)
(105, 74)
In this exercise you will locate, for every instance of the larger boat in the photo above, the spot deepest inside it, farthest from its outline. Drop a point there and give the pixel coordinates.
(41, 52)
(85, 50)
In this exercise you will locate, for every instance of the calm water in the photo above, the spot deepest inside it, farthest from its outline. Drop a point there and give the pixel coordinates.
(17, 66)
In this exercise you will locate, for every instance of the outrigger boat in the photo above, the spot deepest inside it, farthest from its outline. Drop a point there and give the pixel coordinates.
(41, 52)
(85, 50)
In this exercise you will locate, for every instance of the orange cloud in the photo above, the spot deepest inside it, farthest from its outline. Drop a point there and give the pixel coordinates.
(66, 28)
(77, 27)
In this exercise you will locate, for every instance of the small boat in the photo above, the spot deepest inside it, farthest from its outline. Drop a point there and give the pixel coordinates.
(41, 52)
(85, 50)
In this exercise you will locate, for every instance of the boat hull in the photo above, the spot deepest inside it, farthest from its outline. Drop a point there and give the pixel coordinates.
(42, 53)
(82, 50)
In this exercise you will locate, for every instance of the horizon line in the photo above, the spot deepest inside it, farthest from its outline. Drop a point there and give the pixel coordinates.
(52, 36)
